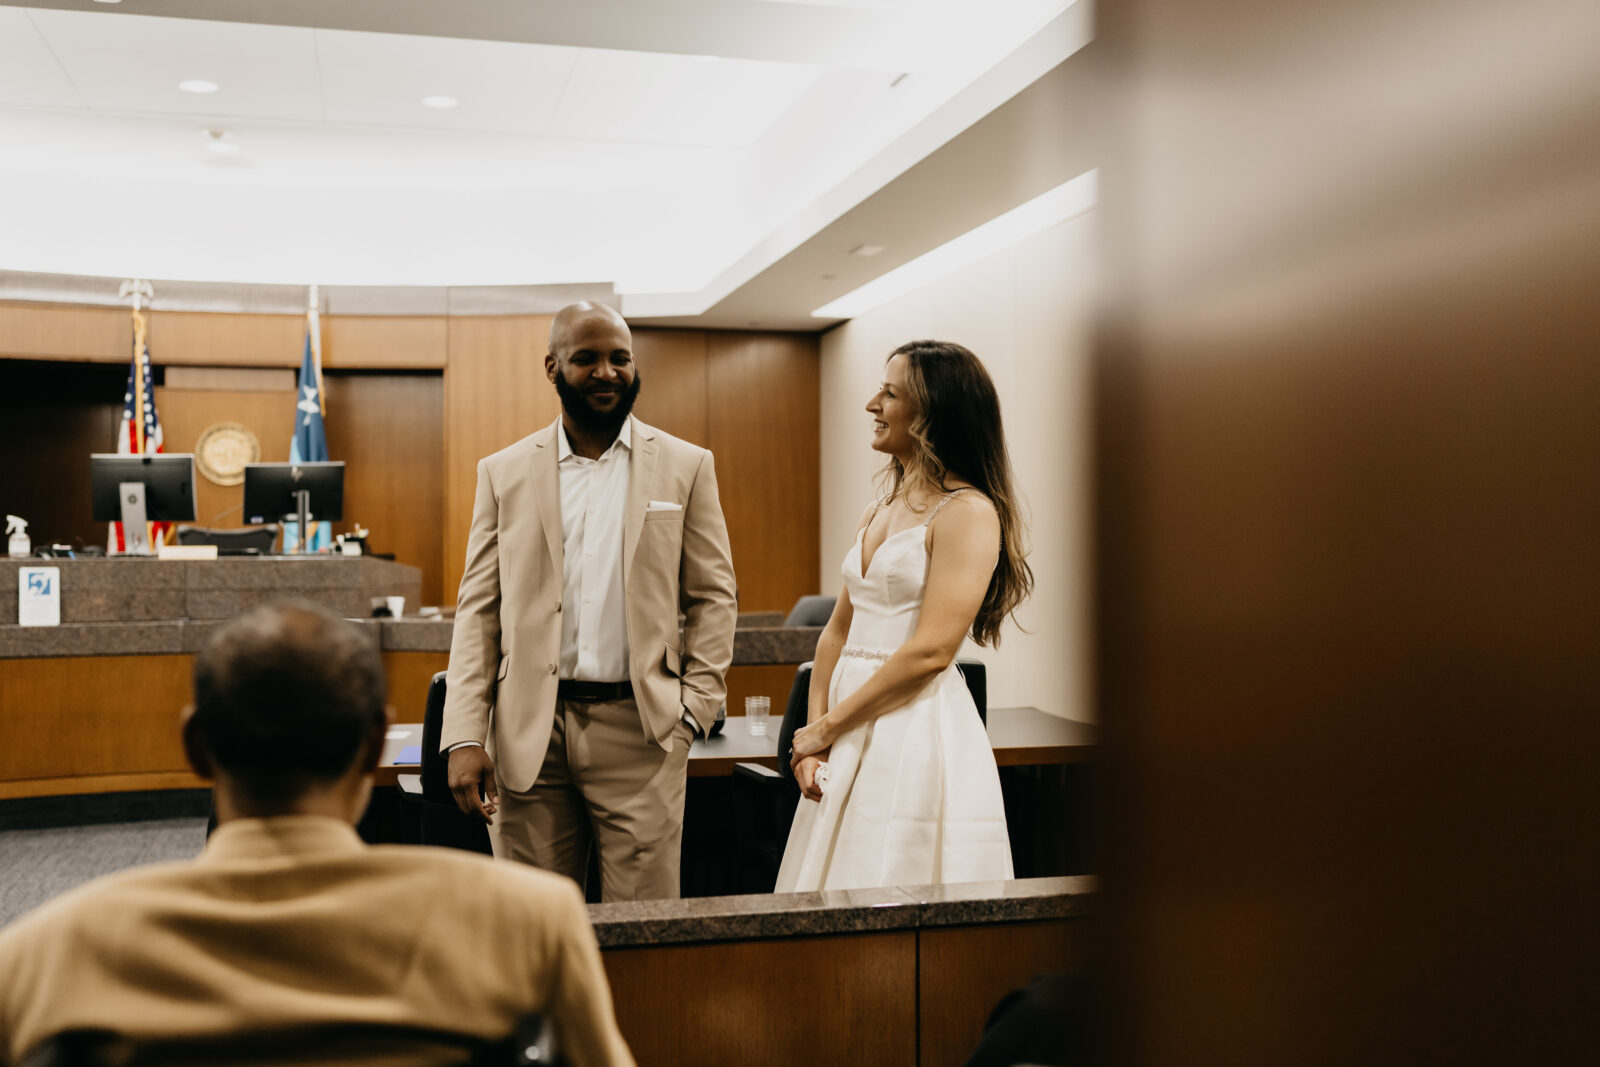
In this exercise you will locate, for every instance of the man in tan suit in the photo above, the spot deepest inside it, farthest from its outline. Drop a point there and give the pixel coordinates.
(287, 922)
(573, 693)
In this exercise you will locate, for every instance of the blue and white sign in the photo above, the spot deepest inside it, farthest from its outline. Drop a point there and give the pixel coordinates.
(39, 596)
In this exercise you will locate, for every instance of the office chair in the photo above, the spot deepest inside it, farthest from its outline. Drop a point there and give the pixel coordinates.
(811, 611)
(440, 821)
(251, 540)
(764, 800)
(532, 1043)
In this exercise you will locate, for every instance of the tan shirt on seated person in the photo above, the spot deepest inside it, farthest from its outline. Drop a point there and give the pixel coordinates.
(294, 921)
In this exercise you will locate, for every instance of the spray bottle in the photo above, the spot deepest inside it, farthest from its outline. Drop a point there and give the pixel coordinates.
(17, 530)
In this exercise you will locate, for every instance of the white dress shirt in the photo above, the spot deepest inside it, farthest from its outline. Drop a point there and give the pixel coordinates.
(594, 500)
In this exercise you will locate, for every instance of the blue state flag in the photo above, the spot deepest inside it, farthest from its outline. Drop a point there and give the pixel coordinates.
(309, 443)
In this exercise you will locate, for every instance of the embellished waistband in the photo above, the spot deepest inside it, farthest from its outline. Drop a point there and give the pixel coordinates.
(857, 652)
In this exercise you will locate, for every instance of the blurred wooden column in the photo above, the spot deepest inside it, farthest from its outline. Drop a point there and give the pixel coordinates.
(1349, 532)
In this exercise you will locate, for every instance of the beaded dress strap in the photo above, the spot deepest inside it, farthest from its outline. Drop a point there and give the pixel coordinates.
(953, 494)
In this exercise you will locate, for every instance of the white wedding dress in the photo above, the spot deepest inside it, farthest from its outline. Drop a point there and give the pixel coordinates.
(913, 797)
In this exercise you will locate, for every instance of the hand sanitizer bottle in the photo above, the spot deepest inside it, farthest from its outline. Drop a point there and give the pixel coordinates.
(17, 530)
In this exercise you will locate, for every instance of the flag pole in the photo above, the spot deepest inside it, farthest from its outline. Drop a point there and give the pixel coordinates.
(140, 291)
(314, 328)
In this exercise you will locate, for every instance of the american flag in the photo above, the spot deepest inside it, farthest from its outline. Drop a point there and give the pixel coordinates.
(140, 432)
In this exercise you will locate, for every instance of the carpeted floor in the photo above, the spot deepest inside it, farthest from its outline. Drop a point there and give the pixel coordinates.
(47, 848)
(36, 865)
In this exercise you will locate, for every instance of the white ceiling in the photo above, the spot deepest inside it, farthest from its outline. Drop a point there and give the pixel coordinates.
(674, 150)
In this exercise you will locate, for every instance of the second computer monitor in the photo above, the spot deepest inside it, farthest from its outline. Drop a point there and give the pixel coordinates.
(270, 488)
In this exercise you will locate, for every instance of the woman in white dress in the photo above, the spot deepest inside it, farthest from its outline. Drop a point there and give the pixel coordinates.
(897, 776)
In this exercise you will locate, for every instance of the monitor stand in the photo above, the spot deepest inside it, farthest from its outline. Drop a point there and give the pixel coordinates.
(135, 530)
(302, 503)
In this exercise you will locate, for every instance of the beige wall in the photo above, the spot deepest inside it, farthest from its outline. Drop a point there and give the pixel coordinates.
(1025, 312)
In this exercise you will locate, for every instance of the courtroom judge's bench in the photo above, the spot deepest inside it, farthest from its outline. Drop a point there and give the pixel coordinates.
(91, 705)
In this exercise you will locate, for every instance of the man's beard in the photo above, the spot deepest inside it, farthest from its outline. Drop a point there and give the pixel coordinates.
(576, 404)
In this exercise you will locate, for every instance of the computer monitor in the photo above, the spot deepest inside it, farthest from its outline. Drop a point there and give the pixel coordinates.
(134, 490)
(270, 490)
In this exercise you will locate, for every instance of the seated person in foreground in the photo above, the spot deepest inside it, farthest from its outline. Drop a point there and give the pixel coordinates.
(287, 920)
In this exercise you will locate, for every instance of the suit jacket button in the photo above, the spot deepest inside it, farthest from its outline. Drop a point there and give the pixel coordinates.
(558, 607)
(551, 667)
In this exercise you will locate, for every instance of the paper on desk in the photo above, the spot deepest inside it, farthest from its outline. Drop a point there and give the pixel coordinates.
(409, 754)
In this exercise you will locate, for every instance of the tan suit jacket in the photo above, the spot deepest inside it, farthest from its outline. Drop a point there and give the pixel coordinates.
(294, 921)
(505, 652)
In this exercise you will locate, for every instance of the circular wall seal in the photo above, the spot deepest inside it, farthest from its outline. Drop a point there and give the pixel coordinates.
(223, 450)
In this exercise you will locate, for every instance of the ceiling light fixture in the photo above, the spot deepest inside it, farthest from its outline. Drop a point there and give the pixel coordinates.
(440, 102)
(866, 251)
(198, 85)
(217, 142)
(999, 233)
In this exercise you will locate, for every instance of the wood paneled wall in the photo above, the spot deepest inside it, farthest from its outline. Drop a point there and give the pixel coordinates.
(92, 724)
(389, 431)
(809, 1000)
(764, 429)
(900, 997)
(415, 402)
(495, 393)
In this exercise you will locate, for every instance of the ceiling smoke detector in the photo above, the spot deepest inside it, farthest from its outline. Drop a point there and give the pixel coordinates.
(217, 142)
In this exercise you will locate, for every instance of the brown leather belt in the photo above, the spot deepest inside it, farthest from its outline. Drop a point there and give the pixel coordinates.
(594, 692)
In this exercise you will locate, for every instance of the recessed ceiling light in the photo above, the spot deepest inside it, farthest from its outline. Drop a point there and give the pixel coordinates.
(439, 101)
(108, 1)
(1037, 215)
(866, 250)
(197, 85)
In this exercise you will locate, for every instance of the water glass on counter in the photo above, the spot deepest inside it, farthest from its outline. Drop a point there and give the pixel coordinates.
(755, 714)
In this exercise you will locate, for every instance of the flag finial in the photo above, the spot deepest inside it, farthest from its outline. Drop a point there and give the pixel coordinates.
(139, 289)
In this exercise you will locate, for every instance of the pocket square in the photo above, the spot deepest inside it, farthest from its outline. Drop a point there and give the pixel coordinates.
(664, 505)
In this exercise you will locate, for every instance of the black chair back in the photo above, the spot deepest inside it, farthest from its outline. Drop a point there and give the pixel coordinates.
(250, 538)
(794, 717)
(441, 821)
(811, 611)
(435, 786)
(976, 676)
(531, 1042)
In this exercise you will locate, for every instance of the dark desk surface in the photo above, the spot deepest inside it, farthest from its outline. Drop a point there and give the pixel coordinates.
(1020, 736)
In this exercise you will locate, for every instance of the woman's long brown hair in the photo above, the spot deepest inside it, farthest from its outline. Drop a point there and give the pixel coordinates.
(957, 431)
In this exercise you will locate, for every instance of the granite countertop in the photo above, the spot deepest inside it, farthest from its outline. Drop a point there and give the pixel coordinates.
(751, 644)
(771, 915)
(411, 634)
(125, 606)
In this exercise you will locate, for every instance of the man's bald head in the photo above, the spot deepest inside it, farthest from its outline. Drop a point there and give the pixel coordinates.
(570, 323)
(591, 365)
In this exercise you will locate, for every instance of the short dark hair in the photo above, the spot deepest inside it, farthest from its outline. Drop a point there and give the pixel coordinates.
(286, 696)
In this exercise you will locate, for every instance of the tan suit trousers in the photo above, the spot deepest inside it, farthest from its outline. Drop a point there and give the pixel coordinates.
(601, 784)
